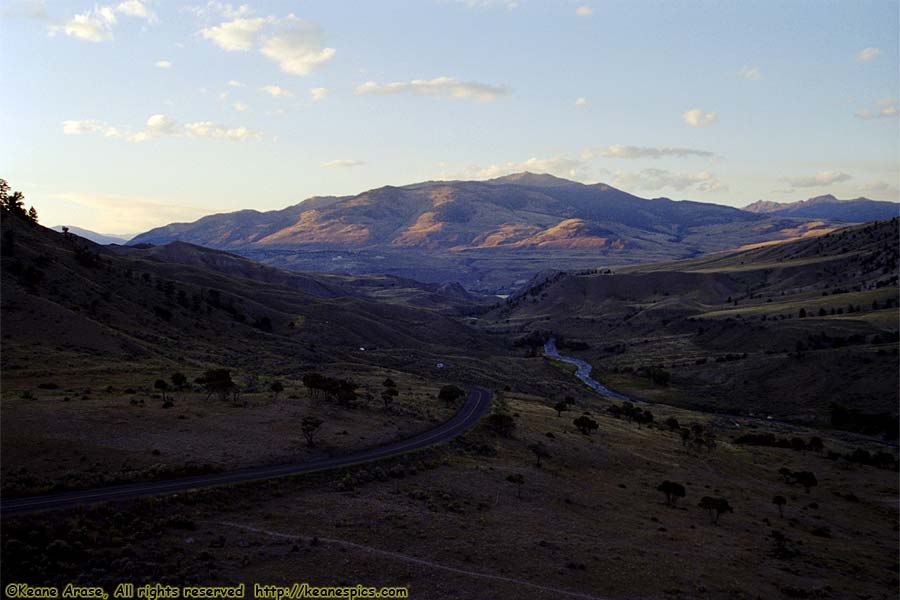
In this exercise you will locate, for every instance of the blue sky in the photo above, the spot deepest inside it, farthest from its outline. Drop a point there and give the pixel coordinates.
(133, 114)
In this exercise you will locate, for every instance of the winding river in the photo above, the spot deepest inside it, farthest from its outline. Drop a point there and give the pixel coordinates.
(584, 372)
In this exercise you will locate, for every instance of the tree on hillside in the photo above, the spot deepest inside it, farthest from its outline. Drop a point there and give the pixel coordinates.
(501, 423)
(32, 215)
(585, 424)
(389, 383)
(276, 388)
(560, 408)
(672, 424)
(309, 426)
(450, 394)
(672, 490)
(12, 203)
(388, 396)
(179, 380)
(716, 507)
(217, 381)
(519, 480)
(802, 313)
(806, 479)
(540, 451)
(162, 386)
(780, 501)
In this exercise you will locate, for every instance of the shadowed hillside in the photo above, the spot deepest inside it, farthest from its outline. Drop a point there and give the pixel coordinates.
(786, 329)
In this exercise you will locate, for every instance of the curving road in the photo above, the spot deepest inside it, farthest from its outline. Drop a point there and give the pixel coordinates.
(477, 403)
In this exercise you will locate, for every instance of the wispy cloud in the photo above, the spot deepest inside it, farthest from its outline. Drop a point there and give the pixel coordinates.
(882, 190)
(751, 73)
(318, 94)
(633, 152)
(658, 179)
(581, 101)
(448, 87)
(235, 35)
(822, 178)
(125, 213)
(556, 165)
(883, 109)
(343, 163)
(158, 126)
(277, 91)
(297, 46)
(164, 64)
(235, 83)
(868, 54)
(696, 117)
(96, 24)
(584, 11)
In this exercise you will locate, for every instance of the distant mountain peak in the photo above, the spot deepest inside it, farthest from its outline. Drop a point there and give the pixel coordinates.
(532, 179)
(827, 206)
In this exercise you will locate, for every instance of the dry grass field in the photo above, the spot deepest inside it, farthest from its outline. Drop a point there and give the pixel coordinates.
(448, 523)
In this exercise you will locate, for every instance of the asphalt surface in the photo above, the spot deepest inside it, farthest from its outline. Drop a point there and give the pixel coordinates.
(477, 403)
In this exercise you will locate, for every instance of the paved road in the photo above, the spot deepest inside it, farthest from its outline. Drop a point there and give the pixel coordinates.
(476, 405)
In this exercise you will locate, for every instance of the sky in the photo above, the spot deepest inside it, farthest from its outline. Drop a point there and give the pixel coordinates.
(124, 116)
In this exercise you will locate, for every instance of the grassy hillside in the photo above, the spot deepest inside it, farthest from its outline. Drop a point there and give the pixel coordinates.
(785, 329)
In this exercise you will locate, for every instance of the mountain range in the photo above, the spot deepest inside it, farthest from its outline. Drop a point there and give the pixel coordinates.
(857, 210)
(489, 235)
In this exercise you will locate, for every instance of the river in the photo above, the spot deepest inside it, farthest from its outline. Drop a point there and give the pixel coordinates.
(583, 373)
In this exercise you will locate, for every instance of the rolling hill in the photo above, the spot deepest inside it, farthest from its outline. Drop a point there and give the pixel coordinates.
(785, 329)
(489, 235)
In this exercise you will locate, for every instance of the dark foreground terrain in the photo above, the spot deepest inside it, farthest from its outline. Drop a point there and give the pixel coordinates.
(112, 373)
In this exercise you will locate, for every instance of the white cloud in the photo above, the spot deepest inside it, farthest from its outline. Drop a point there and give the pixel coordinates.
(96, 24)
(91, 26)
(632, 152)
(581, 101)
(697, 118)
(318, 94)
(556, 165)
(881, 189)
(658, 179)
(75, 127)
(440, 86)
(135, 8)
(297, 46)
(235, 83)
(822, 178)
(751, 73)
(240, 107)
(584, 11)
(213, 8)
(158, 126)
(237, 34)
(277, 91)
(868, 54)
(164, 64)
(209, 129)
(883, 109)
(26, 9)
(343, 163)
